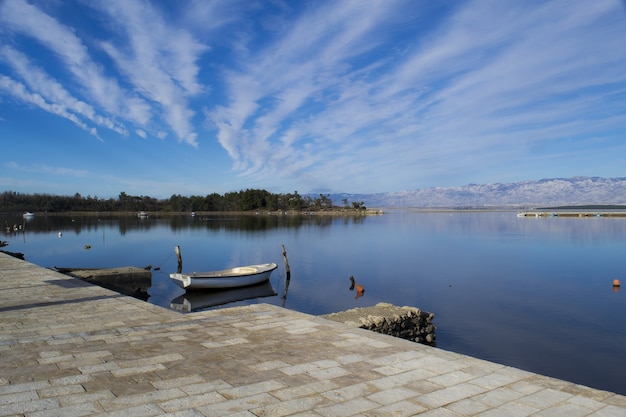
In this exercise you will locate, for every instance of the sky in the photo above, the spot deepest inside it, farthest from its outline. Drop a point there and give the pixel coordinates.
(193, 97)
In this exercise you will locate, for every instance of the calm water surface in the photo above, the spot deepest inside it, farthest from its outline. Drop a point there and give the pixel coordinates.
(531, 293)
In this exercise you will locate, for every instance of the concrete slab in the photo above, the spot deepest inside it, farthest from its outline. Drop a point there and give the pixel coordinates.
(74, 349)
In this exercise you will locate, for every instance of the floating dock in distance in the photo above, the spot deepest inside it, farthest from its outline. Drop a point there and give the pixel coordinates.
(571, 214)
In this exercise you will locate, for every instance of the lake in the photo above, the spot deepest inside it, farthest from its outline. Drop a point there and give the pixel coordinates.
(533, 293)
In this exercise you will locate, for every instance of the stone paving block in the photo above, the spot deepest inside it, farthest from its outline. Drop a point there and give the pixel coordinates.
(468, 406)
(191, 401)
(137, 370)
(388, 370)
(563, 409)
(93, 354)
(152, 397)
(26, 386)
(609, 411)
(512, 409)
(444, 412)
(349, 392)
(151, 360)
(143, 410)
(200, 388)
(399, 409)
(351, 358)
(224, 343)
(498, 396)
(61, 390)
(18, 397)
(307, 367)
(403, 378)
(28, 406)
(392, 396)
(252, 389)
(545, 398)
(304, 390)
(188, 413)
(617, 400)
(289, 408)
(328, 373)
(494, 380)
(239, 405)
(78, 410)
(452, 378)
(105, 367)
(85, 397)
(71, 364)
(70, 380)
(347, 408)
(269, 365)
(399, 358)
(449, 395)
(178, 382)
(588, 403)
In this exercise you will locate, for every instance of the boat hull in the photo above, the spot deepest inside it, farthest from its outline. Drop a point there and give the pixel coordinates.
(241, 276)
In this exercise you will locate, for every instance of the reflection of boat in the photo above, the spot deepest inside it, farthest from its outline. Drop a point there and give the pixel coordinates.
(240, 276)
(197, 300)
(28, 214)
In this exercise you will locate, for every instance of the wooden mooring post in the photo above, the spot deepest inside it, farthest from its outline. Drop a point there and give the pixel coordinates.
(287, 272)
(179, 257)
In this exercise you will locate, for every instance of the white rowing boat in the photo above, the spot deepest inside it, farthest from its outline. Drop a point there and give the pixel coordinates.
(240, 276)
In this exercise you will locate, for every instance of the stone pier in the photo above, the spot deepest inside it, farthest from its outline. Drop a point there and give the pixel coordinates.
(69, 348)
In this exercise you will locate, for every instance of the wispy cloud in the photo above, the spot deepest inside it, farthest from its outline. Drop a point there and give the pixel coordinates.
(48, 94)
(158, 59)
(47, 169)
(30, 21)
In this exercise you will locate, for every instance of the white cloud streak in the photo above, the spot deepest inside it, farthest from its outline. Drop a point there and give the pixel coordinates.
(158, 59)
(47, 169)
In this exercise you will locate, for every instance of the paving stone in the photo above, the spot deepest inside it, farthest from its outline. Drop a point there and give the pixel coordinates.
(77, 410)
(347, 408)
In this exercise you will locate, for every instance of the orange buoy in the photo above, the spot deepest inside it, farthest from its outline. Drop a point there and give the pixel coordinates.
(616, 283)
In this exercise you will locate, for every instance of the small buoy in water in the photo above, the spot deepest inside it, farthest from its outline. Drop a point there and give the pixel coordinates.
(60, 234)
(616, 283)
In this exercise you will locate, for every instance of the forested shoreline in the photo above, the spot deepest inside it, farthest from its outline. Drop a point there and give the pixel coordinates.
(241, 201)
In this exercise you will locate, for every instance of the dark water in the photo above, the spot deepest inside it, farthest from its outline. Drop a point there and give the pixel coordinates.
(531, 293)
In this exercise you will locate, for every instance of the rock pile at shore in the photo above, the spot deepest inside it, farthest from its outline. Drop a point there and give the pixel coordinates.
(408, 323)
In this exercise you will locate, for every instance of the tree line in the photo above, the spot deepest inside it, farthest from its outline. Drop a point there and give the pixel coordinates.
(244, 200)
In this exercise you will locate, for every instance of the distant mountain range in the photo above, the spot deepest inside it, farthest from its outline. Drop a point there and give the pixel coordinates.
(525, 194)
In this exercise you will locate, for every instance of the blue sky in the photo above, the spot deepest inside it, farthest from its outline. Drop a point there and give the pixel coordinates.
(193, 97)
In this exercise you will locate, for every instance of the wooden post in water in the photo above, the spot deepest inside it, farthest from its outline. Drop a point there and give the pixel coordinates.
(179, 257)
(287, 272)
